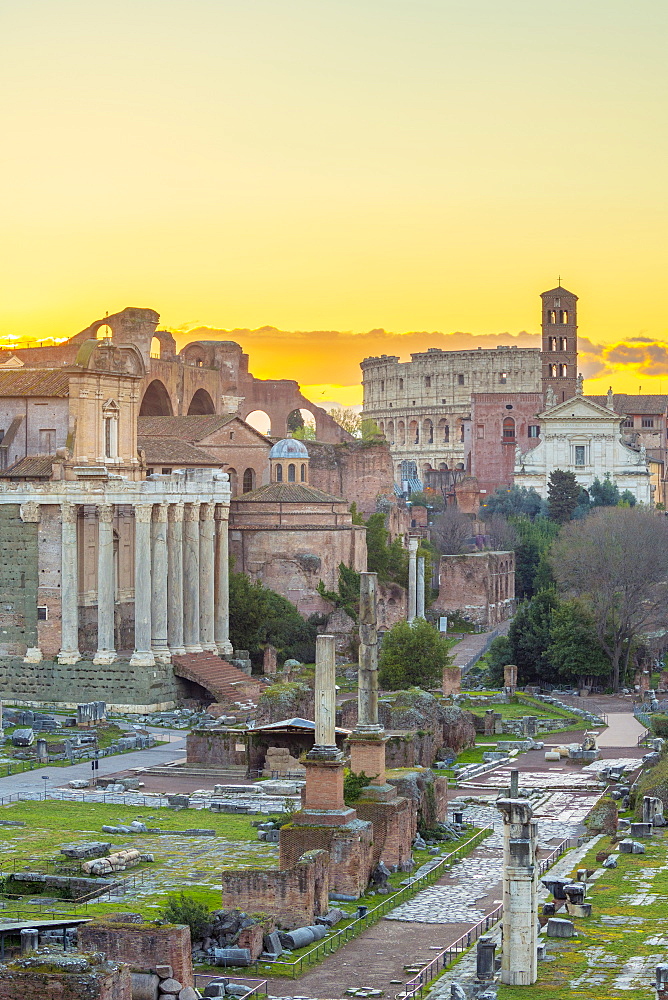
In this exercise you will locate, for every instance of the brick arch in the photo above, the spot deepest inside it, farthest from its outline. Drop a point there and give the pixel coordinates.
(156, 401)
(201, 403)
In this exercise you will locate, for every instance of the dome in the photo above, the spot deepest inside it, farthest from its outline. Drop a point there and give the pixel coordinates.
(289, 448)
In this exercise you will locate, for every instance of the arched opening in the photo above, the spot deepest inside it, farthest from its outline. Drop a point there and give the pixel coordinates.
(260, 421)
(303, 472)
(381, 427)
(551, 316)
(249, 480)
(156, 401)
(428, 432)
(201, 404)
(444, 431)
(461, 430)
(508, 429)
(232, 473)
(563, 344)
(563, 315)
(279, 473)
(553, 343)
(156, 348)
(292, 473)
(401, 432)
(401, 384)
(443, 467)
(389, 431)
(104, 332)
(414, 432)
(553, 371)
(301, 424)
(563, 371)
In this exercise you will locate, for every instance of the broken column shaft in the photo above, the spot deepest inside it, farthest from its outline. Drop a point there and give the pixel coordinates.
(367, 741)
(412, 578)
(519, 963)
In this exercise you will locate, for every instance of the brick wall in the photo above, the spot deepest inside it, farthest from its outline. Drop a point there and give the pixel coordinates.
(355, 470)
(293, 895)
(393, 828)
(141, 946)
(18, 582)
(32, 983)
(350, 849)
(479, 584)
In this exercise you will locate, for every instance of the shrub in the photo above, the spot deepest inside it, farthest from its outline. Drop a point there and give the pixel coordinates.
(182, 909)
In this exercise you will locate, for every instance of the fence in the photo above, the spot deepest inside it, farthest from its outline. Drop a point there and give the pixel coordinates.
(416, 986)
(331, 944)
(116, 888)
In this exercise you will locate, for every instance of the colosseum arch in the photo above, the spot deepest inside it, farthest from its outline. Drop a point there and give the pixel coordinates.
(201, 404)
(155, 401)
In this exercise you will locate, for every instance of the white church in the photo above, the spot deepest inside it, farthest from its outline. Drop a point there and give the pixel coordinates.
(580, 436)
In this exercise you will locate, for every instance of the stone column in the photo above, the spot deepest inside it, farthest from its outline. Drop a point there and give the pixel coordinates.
(106, 585)
(325, 698)
(159, 584)
(419, 610)
(519, 963)
(222, 583)
(367, 741)
(191, 578)
(69, 585)
(412, 578)
(31, 514)
(207, 544)
(142, 656)
(175, 579)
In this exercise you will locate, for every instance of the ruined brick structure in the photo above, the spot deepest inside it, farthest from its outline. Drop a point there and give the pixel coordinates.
(479, 584)
(356, 469)
(293, 896)
(79, 977)
(140, 945)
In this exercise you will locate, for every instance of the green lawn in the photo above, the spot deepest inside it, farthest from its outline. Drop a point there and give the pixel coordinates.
(591, 964)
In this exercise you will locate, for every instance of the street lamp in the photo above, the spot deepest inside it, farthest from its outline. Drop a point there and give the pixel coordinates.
(45, 778)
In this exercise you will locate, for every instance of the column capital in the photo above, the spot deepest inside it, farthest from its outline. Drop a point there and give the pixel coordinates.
(30, 512)
(105, 513)
(160, 512)
(206, 511)
(143, 512)
(175, 511)
(69, 512)
(222, 512)
(191, 511)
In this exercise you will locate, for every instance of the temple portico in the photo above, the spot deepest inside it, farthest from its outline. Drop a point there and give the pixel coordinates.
(157, 546)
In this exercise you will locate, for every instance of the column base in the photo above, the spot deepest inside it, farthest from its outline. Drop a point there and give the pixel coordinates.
(104, 656)
(33, 655)
(209, 647)
(225, 648)
(195, 648)
(177, 650)
(68, 656)
(162, 655)
(142, 659)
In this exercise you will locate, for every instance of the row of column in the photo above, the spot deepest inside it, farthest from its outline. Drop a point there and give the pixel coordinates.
(181, 581)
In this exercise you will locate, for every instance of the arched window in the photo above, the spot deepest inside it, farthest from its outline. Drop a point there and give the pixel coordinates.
(232, 473)
(563, 371)
(414, 432)
(401, 383)
(292, 473)
(443, 467)
(249, 480)
(279, 473)
(303, 472)
(427, 382)
(508, 429)
(551, 316)
(553, 343)
(389, 431)
(446, 433)
(381, 427)
(401, 432)
(553, 371)
(428, 432)
(563, 344)
(563, 315)
(461, 430)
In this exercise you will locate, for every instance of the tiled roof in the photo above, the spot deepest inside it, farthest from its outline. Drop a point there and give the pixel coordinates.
(174, 451)
(287, 493)
(192, 428)
(30, 467)
(630, 403)
(35, 382)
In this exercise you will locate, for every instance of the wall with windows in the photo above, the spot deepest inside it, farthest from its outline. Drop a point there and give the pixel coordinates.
(499, 423)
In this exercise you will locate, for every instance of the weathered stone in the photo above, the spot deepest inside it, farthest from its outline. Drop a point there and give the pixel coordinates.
(557, 927)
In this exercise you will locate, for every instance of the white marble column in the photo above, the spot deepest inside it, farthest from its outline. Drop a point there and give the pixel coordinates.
(412, 578)
(191, 524)
(325, 694)
(419, 602)
(175, 579)
(222, 583)
(69, 585)
(206, 577)
(159, 584)
(106, 652)
(142, 656)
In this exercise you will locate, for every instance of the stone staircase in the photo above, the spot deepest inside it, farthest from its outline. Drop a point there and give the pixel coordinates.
(226, 684)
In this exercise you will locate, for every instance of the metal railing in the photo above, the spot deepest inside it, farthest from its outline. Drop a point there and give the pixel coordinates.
(331, 944)
(416, 986)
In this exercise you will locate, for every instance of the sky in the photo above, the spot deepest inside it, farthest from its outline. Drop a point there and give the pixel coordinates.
(313, 173)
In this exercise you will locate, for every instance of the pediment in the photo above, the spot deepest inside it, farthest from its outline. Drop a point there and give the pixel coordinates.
(579, 407)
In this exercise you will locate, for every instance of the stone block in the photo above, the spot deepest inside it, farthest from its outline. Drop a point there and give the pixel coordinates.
(144, 986)
(557, 927)
(232, 956)
(272, 943)
(552, 755)
(641, 829)
(629, 846)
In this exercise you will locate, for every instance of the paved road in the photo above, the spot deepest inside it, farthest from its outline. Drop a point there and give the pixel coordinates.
(623, 731)
(33, 781)
(473, 646)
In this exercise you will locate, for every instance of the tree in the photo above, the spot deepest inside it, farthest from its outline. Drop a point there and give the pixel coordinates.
(616, 560)
(259, 616)
(535, 539)
(450, 530)
(500, 653)
(388, 559)
(563, 495)
(305, 433)
(183, 909)
(514, 501)
(295, 421)
(412, 655)
(604, 494)
(574, 650)
(428, 497)
(347, 596)
(529, 636)
(347, 418)
(501, 533)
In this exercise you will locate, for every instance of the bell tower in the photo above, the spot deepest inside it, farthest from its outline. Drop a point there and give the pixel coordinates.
(559, 350)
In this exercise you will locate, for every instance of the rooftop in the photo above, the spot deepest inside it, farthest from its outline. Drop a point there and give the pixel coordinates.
(35, 382)
(175, 451)
(626, 402)
(189, 428)
(287, 493)
(30, 467)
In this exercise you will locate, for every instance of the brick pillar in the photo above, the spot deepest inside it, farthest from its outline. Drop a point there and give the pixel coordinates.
(452, 681)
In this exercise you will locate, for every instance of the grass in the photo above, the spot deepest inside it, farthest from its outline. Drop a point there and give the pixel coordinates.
(590, 964)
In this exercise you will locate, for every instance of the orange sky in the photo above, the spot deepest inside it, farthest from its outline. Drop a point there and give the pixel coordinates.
(342, 165)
